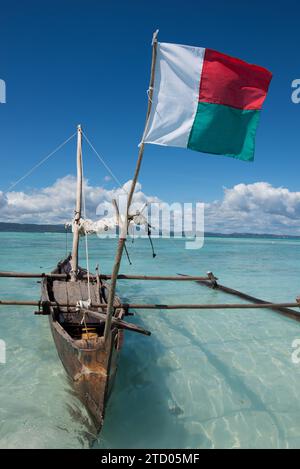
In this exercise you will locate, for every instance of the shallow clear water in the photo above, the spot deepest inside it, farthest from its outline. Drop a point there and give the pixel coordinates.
(204, 379)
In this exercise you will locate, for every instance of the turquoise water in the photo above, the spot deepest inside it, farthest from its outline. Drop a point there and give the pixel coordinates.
(204, 379)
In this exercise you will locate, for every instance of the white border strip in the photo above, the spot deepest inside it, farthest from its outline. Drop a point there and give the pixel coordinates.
(176, 93)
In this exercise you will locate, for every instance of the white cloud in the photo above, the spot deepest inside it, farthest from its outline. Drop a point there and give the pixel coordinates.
(55, 204)
(3, 200)
(256, 208)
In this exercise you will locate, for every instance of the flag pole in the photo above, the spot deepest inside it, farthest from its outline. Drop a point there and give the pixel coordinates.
(124, 228)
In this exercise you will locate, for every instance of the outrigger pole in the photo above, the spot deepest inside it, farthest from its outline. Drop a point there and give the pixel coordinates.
(124, 229)
(210, 281)
(74, 259)
(281, 307)
(106, 276)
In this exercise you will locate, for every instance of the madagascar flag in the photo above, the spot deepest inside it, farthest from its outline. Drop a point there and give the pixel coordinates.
(206, 101)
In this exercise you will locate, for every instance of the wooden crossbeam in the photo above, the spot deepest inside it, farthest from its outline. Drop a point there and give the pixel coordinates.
(104, 276)
(162, 306)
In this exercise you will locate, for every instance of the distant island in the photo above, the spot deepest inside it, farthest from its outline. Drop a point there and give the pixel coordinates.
(32, 228)
(36, 228)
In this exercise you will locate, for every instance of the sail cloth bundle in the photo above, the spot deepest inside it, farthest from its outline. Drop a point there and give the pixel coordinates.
(206, 101)
(87, 226)
(111, 225)
(106, 225)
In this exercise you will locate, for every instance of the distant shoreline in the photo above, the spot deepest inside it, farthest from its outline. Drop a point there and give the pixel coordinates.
(36, 228)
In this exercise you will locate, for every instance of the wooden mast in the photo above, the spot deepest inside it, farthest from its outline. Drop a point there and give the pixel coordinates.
(74, 260)
(123, 234)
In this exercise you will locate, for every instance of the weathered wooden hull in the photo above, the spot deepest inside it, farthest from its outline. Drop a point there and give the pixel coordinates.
(91, 370)
(90, 363)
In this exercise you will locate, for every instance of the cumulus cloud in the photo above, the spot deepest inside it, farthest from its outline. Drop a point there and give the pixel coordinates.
(3, 200)
(256, 208)
(55, 204)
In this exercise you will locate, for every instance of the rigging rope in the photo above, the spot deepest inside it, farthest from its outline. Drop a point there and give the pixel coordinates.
(104, 163)
(39, 164)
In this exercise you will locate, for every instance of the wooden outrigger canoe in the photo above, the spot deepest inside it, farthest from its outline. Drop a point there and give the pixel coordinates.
(87, 348)
(90, 362)
(86, 315)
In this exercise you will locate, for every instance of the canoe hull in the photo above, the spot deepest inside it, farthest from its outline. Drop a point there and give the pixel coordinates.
(91, 370)
(90, 363)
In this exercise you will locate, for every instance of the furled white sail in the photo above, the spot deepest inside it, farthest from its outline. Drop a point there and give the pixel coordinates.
(87, 226)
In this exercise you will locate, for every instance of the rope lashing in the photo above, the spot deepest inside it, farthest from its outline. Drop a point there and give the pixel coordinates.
(154, 37)
(83, 306)
(149, 91)
(213, 279)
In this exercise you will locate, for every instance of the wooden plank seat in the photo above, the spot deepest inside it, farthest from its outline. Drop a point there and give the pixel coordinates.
(68, 292)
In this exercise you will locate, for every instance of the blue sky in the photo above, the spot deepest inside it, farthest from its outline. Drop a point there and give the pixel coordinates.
(68, 62)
